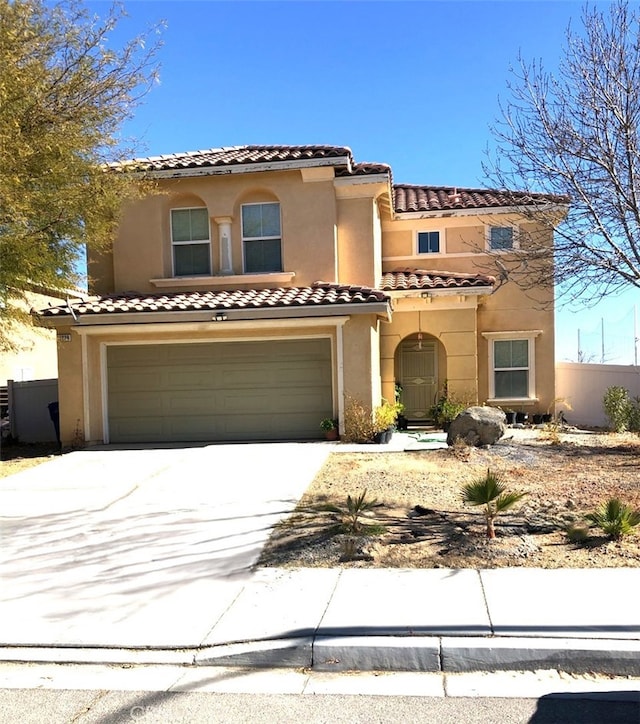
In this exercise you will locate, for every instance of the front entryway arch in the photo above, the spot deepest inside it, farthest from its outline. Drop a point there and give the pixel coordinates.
(418, 361)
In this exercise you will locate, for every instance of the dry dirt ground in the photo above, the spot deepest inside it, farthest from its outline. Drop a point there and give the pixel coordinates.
(14, 458)
(426, 524)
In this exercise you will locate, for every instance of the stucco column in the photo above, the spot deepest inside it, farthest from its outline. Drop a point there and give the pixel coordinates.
(224, 240)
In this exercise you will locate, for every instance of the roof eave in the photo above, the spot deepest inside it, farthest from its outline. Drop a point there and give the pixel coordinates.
(243, 168)
(483, 210)
(457, 292)
(103, 319)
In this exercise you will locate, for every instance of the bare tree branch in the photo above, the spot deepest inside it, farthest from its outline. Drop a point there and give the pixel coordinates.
(575, 133)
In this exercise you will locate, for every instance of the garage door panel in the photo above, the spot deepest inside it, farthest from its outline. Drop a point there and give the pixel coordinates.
(139, 404)
(128, 429)
(189, 403)
(134, 379)
(244, 376)
(308, 376)
(188, 378)
(265, 390)
(191, 354)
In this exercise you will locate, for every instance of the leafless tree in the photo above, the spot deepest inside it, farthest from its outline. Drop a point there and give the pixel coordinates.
(574, 134)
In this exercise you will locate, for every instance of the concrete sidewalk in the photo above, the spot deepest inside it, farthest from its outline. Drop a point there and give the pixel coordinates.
(362, 619)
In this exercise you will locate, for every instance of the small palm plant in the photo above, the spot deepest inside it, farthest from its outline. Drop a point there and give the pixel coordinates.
(615, 518)
(351, 513)
(490, 491)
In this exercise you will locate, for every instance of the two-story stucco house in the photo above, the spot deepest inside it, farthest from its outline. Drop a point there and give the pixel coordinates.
(264, 285)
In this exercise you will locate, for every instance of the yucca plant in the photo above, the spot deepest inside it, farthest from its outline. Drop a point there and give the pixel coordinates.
(615, 518)
(490, 491)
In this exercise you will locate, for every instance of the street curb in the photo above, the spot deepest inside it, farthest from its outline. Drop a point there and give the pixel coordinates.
(574, 656)
(376, 653)
(439, 654)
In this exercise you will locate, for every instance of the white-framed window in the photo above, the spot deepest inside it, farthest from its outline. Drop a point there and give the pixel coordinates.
(190, 242)
(502, 238)
(261, 237)
(512, 365)
(429, 242)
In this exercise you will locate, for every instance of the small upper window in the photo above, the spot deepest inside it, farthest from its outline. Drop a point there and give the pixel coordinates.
(501, 238)
(428, 242)
(261, 238)
(191, 242)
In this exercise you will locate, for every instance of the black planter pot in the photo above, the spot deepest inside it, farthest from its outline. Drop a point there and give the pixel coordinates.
(402, 422)
(378, 437)
(511, 417)
(521, 417)
(547, 418)
(537, 419)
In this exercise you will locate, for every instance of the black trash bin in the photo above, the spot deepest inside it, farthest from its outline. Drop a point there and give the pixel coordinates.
(54, 414)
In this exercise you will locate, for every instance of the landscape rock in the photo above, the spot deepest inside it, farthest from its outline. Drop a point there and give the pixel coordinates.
(478, 426)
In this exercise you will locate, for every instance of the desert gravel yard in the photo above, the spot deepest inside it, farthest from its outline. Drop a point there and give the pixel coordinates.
(426, 525)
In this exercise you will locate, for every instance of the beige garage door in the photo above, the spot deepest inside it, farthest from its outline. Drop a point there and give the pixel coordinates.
(275, 390)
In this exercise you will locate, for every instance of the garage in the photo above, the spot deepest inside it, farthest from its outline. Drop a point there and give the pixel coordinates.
(219, 391)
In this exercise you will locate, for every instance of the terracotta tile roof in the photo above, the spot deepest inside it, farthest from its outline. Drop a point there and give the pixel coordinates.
(230, 156)
(447, 198)
(361, 169)
(320, 294)
(406, 279)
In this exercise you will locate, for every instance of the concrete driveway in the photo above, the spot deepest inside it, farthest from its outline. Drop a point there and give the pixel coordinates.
(111, 547)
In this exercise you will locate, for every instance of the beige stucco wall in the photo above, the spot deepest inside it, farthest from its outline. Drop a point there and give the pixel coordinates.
(70, 387)
(361, 360)
(453, 324)
(142, 249)
(511, 309)
(461, 238)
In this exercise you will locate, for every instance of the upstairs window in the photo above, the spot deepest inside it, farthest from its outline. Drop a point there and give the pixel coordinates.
(428, 242)
(261, 238)
(501, 238)
(190, 242)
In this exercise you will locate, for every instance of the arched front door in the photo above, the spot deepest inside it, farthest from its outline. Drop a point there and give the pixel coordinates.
(418, 375)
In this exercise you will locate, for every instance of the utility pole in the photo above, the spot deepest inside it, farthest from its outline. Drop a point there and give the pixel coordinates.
(635, 335)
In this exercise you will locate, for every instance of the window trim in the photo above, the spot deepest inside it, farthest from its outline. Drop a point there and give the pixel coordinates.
(189, 242)
(441, 242)
(530, 336)
(245, 239)
(516, 237)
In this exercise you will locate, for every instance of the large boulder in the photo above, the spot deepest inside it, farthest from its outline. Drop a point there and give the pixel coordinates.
(478, 426)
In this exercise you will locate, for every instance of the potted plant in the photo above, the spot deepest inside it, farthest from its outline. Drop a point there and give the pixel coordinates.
(330, 428)
(401, 421)
(384, 418)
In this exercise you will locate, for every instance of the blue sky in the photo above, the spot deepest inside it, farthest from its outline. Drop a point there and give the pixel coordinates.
(412, 84)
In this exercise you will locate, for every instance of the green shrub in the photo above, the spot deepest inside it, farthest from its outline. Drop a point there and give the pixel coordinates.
(618, 408)
(615, 518)
(448, 407)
